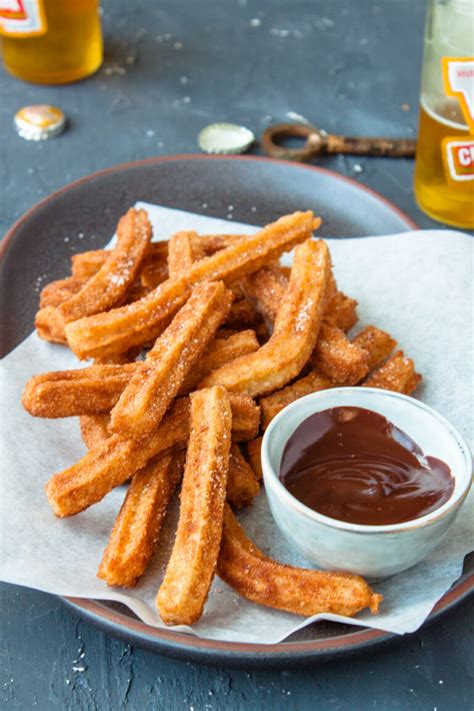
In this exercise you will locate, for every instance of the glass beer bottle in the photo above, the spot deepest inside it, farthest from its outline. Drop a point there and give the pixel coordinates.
(444, 170)
(51, 41)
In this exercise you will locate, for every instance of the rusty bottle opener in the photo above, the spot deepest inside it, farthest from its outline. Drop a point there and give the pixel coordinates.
(320, 143)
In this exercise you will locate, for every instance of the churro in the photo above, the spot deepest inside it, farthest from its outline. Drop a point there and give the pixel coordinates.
(85, 391)
(300, 591)
(138, 524)
(254, 452)
(242, 486)
(150, 391)
(190, 570)
(341, 311)
(311, 383)
(339, 359)
(295, 333)
(220, 351)
(57, 292)
(378, 344)
(184, 248)
(397, 374)
(265, 289)
(94, 429)
(243, 315)
(109, 285)
(118, 329)
(117, 459)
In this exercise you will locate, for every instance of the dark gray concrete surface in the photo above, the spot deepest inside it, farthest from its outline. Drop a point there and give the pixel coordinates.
(171, 67)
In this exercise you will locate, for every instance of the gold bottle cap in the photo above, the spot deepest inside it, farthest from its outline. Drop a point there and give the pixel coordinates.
(39, 122)
(225, 138)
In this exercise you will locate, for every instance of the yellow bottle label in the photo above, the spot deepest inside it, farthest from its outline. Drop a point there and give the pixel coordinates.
(458, 79)
(458, 158)
(457, 151)
(22, 18)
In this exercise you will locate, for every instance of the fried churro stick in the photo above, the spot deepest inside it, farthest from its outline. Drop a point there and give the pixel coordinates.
(89, 391)
(243, 315)
(397, 374)
(254, 453)
(295, 333)
(190, 570)
(311, 383)
(106, 466)
(184, 248)
(265, 289)
(376, 343)
(262, 580)
(150, 391)
(117, 330)
(85, 391)
(154, 273)
(220, 351)
(138, 524)
(94, 429)
(339, 359)
(109, 285)
(57, 292)
(242, 486)
(341, 311)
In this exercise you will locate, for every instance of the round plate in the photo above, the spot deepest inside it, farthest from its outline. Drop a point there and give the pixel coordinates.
(84, 214)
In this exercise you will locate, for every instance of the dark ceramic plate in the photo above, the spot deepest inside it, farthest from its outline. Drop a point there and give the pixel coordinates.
(38, 247)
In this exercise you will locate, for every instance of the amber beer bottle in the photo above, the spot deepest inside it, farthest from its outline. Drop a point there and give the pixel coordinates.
(51, 41)
(444, 171)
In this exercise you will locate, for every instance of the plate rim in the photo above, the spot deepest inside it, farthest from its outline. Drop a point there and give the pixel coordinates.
(202, 649)
(410, 223)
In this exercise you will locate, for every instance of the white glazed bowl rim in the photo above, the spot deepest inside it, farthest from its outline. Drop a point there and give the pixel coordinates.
(280, 490)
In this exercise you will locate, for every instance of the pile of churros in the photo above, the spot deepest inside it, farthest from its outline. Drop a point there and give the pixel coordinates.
(196, 344)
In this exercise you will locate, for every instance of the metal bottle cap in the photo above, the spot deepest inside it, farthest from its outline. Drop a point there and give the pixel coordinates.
(225, 138)
(39, 122)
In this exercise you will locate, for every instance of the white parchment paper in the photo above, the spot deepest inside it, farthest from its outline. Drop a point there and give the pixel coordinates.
(416, 285)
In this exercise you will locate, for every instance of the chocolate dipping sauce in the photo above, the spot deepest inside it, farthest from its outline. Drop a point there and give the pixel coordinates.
(354, 465)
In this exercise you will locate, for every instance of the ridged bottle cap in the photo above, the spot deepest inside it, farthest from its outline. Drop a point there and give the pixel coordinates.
(39, 122)
(225, 138)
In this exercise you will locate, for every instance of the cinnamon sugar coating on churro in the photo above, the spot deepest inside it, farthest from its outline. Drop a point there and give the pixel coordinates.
(190, 570)
(85, 391)
(184, 248)
(95, 429)
(242, 486)
(150, 391)
(339, 359)
(254, 452)
(295, 333)
(397, 374)
(56, 292)
(301, 591)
